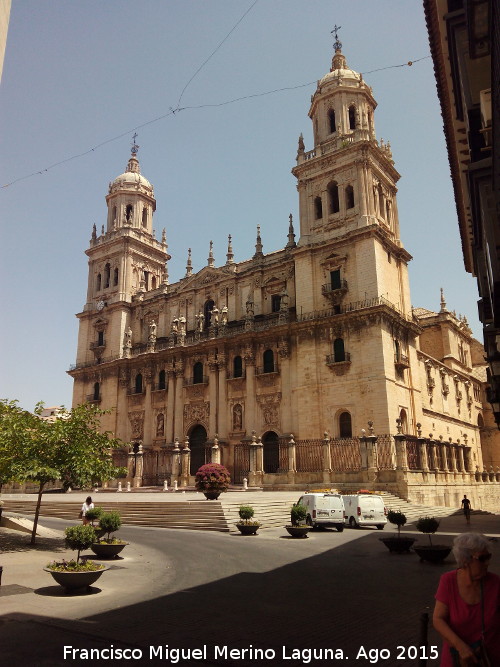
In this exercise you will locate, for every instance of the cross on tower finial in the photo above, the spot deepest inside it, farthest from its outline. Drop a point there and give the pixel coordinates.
(337, 45)
(135, 147)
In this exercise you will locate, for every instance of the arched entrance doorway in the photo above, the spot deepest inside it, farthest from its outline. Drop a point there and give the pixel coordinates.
(271, 452)
(197, 442)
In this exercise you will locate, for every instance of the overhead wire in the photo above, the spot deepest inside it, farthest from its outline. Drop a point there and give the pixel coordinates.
(179, 109)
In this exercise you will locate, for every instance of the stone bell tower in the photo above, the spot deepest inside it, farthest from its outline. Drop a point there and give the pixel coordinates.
(125, 262)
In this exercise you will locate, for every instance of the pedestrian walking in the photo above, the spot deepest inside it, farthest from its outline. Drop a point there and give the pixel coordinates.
(467, 610)
(466, 508)
(87, 505)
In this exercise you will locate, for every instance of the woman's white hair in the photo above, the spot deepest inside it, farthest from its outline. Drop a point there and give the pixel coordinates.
(467, 544)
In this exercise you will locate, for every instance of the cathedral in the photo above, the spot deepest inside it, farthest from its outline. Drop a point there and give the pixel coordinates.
(306, 366)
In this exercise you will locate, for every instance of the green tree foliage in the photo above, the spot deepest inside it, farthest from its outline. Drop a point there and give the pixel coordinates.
(72, 448)
(79, 538)
(109, 522)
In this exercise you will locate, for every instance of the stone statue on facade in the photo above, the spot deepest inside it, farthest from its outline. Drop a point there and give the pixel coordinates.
(224, 316)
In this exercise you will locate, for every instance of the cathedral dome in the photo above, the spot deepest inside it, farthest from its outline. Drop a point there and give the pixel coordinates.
(132, 179)
(340, 70)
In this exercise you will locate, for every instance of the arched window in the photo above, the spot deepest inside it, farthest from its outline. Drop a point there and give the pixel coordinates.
(381, 201)
(100, 338)
(107, 275)
(404, 420)
(198, 373)
(98, 283)
(144, 217)
(97, 391)
(138, 383)
(318, 208)
(331, 121)
(349, 196)
(333, 197)
(207, 311)
(338, 350)
(115, 277)
(114, 214)
(352, 117)
(237, 367)
(161, 380)
(268, 359)
(128, 212)
(345, 425)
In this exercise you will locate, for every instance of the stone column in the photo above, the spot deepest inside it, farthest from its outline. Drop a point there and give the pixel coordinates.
(433, 458)
(444, 458)
(222, 407)
(371, 455)
(176, 461)
(253, 475)
(259, 452)
(215, 452)
(169, 430)
(461, 460)
(212, 394)
(286, 399)
(422, 448)
(139, 465)
(453, 449)
(327, 458)
(250, 389)
(148, 417)
(185, 463)
(179, 401)
(467, 459)
(292, 460)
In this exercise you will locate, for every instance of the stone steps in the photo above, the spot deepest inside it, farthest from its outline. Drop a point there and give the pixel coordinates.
(197, 515)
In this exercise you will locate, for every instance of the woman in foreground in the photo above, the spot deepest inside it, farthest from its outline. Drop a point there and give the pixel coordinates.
(467, 609)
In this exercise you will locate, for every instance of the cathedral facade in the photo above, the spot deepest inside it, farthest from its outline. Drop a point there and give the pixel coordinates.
(306, 365)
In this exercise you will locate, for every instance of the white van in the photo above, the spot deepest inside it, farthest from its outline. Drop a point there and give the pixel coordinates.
(365, 509)
(324, 509)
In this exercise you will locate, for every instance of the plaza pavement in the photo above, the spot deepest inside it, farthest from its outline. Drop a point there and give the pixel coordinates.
(192, 589)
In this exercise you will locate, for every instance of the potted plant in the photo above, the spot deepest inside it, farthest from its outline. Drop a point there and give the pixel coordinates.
(298, 515)
(93, 514)
(212, 479)
(246, 526)
(434, 553)
(397, 544)
(108, 547)
(75, 574)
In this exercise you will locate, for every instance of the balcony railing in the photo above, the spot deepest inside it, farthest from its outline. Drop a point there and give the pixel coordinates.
(266, 370)
(189, 382)
(332, 359)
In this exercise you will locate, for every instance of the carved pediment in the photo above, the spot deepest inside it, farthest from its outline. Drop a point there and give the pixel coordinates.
(207, 276)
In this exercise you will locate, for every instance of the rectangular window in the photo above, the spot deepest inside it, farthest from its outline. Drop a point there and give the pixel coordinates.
(335, 279)
(275, 303)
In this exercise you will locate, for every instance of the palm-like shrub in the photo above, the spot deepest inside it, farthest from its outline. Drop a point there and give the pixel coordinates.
(427, 524)
(397, 518)
(212, 477)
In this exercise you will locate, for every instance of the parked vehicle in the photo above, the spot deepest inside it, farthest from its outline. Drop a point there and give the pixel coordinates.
(365, 509)
(324, 509)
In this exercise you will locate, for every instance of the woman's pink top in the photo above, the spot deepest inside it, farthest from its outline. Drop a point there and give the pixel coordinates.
(465, 619)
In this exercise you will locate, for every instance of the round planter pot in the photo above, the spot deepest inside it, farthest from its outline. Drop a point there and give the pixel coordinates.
(398, 545)
(104, 550)
(247, 529)
(298, 531)
(211, 495)
(72, 581)
(433, 554)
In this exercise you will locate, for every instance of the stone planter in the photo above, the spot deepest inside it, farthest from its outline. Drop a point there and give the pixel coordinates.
(73, 581)
(435, 553)
(211, 495)
(298, 531)
(105, 550)
(398, 545)
(247, 529)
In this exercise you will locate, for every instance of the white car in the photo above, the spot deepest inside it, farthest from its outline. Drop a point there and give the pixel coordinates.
(365, 509)
(324, 509)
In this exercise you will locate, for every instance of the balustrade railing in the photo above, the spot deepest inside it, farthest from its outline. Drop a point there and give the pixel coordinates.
(345, 454)
(308, 455)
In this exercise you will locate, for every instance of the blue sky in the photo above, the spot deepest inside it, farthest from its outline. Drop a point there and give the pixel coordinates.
(77, 75)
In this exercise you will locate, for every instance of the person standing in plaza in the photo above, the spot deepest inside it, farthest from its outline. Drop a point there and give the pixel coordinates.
(467, 610)
(87, 505)
(466, 508)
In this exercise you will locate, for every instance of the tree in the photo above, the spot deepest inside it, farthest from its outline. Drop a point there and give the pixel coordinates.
(71, 448)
